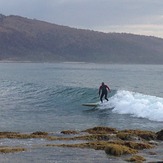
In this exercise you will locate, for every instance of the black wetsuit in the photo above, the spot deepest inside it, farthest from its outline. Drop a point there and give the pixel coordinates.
(104, 93)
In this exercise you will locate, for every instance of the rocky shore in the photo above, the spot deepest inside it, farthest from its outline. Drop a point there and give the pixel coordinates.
(130, 145)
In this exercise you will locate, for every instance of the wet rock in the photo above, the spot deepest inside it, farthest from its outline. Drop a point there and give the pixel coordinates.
(146, 135)
(136, 158)
(160, 135)
(118, 150)
(127, 136)
(17, 135)
(11, 149)
(110, 140)
(101, 130)
(69, 132)
(138, 145)
(40, 133)
(93, 137)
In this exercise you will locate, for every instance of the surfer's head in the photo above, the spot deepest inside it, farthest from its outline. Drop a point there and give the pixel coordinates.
(102, 83)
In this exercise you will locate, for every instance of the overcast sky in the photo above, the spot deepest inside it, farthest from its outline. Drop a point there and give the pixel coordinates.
(129, 16)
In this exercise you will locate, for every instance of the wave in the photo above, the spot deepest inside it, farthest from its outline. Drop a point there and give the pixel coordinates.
(33, 96)
(136, 105)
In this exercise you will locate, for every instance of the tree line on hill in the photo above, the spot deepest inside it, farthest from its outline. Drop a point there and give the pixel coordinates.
(23, 39)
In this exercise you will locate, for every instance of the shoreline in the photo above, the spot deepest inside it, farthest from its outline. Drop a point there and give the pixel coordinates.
(126, 145)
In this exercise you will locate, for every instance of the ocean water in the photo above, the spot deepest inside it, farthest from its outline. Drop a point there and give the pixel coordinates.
(49, 97)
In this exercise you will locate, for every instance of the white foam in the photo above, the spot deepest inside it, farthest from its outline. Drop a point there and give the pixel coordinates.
(137, 105)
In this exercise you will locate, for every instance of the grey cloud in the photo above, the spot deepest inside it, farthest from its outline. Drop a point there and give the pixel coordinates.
(87, 13)
(83, 11)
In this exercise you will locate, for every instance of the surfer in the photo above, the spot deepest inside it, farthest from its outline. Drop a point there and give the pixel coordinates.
(103, 91)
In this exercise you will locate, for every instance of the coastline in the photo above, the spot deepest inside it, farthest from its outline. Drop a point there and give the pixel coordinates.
(124, 145)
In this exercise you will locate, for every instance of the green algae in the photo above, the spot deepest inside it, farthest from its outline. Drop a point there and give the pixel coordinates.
(118, 150)
(68, 132)
(146, 135)
(11, 149)
(136, 158)
(108, 139)
(100, 130)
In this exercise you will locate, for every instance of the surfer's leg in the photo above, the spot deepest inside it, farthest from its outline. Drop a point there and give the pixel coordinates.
(101, 97)
(106, 97)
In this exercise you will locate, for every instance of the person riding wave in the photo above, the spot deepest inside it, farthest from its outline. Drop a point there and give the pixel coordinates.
(103, 91)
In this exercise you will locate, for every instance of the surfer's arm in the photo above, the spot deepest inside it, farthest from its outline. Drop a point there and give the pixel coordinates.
(108, 88)
(99, 91)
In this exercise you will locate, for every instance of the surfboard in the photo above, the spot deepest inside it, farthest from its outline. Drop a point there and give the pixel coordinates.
(90, 104)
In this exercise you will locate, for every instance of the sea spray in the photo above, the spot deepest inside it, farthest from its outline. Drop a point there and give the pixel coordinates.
(137, 105)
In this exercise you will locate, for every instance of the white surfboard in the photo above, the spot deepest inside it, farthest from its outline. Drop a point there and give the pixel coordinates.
(90, 104)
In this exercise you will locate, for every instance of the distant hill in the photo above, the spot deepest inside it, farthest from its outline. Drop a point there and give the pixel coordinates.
(23, 39)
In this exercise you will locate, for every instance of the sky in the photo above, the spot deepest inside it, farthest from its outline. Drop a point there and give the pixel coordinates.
(144, 17)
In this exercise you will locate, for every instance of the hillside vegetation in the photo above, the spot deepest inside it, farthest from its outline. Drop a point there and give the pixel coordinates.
(23, 39)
